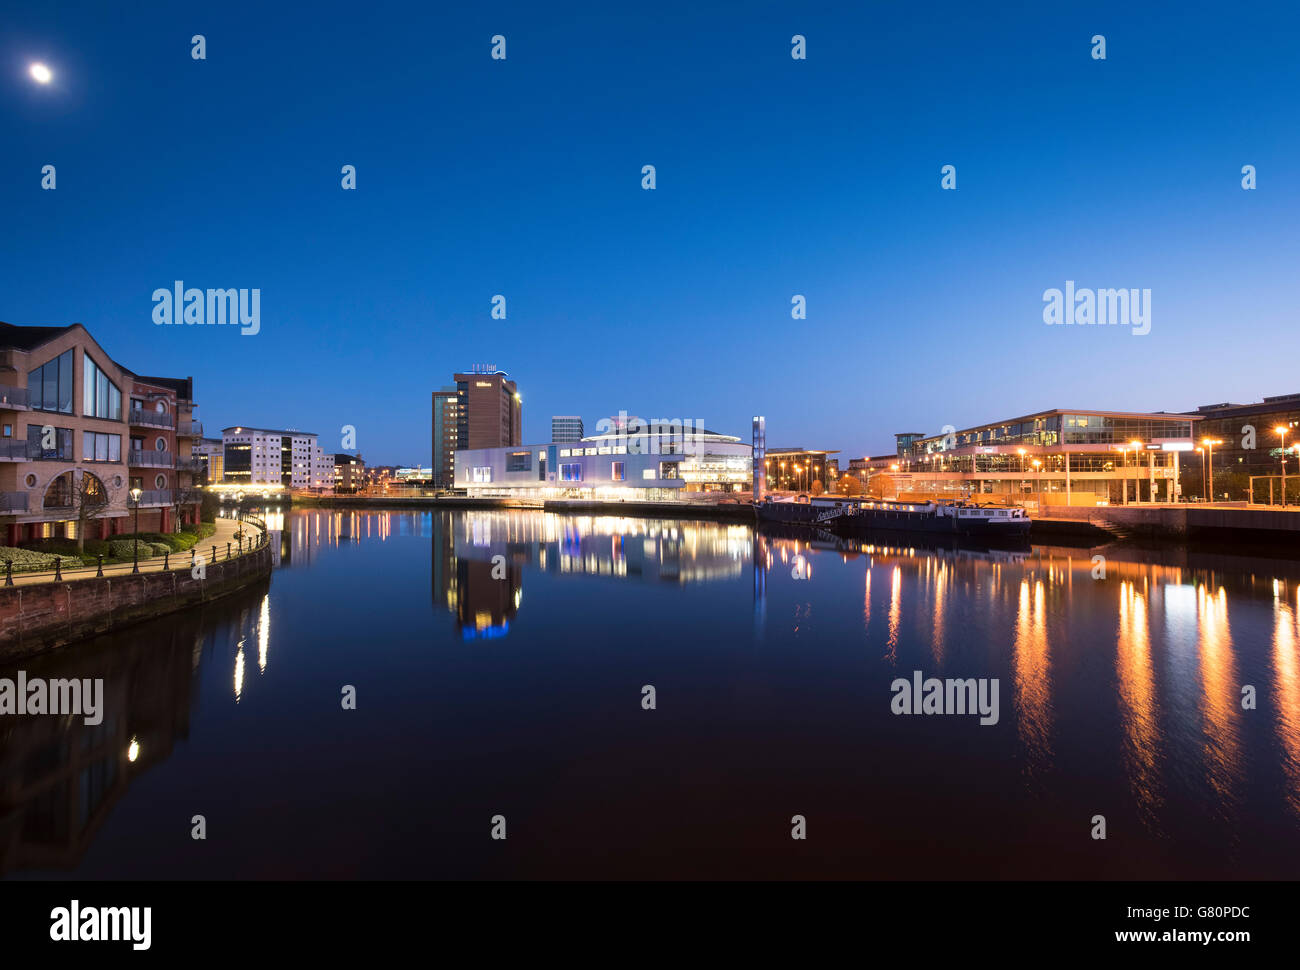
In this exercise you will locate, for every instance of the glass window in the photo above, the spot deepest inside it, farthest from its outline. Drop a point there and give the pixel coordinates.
(61, 449)
(100, 396)
(49, 387)
(616, 471)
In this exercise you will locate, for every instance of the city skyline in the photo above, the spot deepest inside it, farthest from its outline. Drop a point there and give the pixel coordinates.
(522, 178)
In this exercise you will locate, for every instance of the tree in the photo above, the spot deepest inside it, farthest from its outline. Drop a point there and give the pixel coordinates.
(850, 485)
(817, 487)
(183, 495)
(881, 485)
(89, 501)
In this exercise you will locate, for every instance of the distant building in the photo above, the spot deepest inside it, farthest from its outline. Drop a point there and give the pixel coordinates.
(796, 469)
(566, 428)
(446, 411)
(1054, 457)
(349, 473)
(210, 453)
(1246, 444)
(255, 457)
(631, 461)
(490, 410)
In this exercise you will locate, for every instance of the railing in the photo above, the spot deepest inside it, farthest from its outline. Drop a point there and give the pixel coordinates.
(151, 419)
(140, 458)
(15, 450)
(189, 464)
(13, 397)
(191, 429)
(212, 552)
(13, 501)
(155, 496)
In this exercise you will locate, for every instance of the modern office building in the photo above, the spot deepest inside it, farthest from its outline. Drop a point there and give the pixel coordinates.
(446, 423)
(1054, 457)
(1245, 443)
(349, 473)
(566, 428)
(210, 453)
(78, 431)
(262, 458)
(797, 469)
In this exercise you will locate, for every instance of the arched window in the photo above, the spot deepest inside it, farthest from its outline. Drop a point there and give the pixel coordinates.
(67, 491)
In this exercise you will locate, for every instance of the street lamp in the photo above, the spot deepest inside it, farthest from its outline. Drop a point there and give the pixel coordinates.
(1038, 472)
(1137, 470)
(135, 554)
(1209, 444)
(1281, 431)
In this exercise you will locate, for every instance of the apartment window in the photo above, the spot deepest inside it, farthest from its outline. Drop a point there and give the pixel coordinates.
(571, 472)
(49, 387)
(482, 473)
(60, 444)
(100, 447)
(519, 461)
(101, 397)
(9, 430)
(617, 472)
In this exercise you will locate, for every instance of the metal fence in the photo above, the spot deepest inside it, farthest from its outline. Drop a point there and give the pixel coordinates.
(171, 562)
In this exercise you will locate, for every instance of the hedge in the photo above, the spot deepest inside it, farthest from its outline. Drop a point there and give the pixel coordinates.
(27, 560)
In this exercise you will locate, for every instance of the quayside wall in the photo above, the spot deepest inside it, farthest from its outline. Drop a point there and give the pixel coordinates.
(42, 617)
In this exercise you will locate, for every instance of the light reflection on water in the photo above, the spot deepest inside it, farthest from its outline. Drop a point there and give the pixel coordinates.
(486, 633)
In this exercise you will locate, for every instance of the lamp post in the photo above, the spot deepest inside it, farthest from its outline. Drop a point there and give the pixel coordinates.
(1209, 454)
(1137, 470)
(1038, 472)
(135, 554)
(1281, 430)
(1201, 451)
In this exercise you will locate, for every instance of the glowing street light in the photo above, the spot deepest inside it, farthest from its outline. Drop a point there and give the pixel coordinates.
(1209, 445)
(1281, 431)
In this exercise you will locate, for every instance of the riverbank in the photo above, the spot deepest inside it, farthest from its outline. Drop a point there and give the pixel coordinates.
(43, 616)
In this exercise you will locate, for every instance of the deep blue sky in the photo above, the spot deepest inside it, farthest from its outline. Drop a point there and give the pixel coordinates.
(775, 177)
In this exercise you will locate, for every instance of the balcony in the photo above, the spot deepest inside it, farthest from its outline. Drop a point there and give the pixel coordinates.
(13, 398)
(190, 429)
(192, 465)
(15, 450)
(13, 502)
(139, 458)
(154, 497)
(141, 418)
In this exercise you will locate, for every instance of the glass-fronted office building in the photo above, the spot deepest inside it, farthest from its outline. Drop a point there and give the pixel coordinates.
(1056, 457)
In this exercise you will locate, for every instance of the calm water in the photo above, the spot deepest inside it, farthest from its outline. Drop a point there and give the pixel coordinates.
(521, 696)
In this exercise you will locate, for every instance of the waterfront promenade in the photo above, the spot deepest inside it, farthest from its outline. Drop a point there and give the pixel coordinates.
(226, 529)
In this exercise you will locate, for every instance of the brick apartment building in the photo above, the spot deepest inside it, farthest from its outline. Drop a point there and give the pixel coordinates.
(78, 428)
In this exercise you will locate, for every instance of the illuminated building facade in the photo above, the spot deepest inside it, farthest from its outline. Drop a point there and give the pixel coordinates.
(1056, 457)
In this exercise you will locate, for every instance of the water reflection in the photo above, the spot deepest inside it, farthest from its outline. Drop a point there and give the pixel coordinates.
(61, 778)
(1121, 690)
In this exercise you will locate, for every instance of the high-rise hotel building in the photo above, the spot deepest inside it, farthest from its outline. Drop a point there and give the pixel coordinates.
(487, 414)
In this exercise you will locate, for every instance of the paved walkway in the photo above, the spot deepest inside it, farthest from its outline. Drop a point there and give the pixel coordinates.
(226, 529)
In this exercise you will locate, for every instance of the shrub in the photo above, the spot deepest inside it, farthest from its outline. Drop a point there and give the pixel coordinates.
(160, 548)
(26, 560)
(125, 549)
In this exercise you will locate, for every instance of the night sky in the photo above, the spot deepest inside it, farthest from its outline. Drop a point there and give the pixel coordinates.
(775, 177)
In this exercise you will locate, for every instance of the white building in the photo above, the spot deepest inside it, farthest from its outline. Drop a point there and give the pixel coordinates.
(635, 460)
(287, 459)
